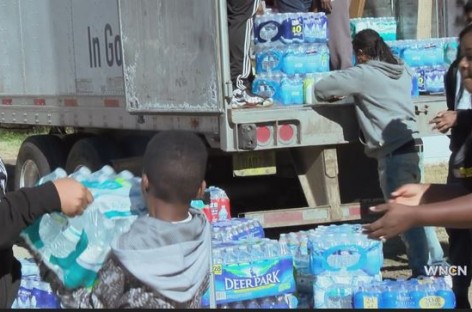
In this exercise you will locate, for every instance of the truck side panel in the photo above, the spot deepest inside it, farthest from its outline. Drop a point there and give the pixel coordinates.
(97, 47)
(172, 56)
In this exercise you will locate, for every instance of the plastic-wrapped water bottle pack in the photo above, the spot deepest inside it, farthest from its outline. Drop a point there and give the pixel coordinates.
(75, 248)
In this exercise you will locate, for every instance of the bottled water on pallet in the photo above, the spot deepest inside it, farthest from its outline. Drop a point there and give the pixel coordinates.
(405, 294)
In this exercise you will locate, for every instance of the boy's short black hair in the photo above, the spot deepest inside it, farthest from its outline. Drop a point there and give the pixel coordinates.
(468, 7)
(175, 164)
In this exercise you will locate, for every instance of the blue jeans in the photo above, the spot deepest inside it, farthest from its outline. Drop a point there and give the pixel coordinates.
(395, 171)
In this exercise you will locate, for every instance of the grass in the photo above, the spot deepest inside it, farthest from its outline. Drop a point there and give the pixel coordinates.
(11, 140)
(436, 173)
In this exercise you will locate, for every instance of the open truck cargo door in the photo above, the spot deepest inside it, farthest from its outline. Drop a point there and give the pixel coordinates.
(172, 58)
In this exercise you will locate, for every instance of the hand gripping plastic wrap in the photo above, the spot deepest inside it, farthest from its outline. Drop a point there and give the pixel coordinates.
(76, 248)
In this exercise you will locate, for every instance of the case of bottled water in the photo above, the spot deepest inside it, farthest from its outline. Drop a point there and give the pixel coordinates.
(429, 59)
(75, 248)
(343, 248)
(332, 290)
(426, 293)
(288, 28)
(288, 46)
(33, 292)
(329, 257)
(251, 269)
(385, 26)
(285, 301)
(236, 229)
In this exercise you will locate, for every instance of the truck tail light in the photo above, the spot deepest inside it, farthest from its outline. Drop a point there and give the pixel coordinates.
(287, 134)
(265, 135)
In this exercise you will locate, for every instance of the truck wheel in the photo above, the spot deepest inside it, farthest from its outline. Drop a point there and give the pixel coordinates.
(38, 156)
(69, 140)
(92, 152)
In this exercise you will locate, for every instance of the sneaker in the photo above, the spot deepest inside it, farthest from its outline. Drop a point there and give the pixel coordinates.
(3, 178)
(246, 99)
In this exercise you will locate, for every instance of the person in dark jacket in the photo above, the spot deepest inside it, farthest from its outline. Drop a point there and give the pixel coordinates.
(436, 204)
(21, 208)
(163, 261)
(457, 119)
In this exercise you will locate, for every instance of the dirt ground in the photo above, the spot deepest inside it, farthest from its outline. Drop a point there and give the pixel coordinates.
(395, 260)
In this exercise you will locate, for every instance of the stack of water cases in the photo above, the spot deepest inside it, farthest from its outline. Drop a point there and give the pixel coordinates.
(427, 293)
(34, 293)
(75, 248)
(291, 55)
(236, 229)
(429, 59)
(252, 274)
(330, 261)
(385, 26)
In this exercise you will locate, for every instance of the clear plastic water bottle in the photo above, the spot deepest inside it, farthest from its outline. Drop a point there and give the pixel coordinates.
(237, 305)
(125, 174)
(100, 176)
(283, 243)
(257, 253)
(309, 27)
(267, 303)
(63, 244)
(302, 258)
(309, 89)
(281, 303)
(50, 225)
(229, 256)
(243, 255)
(217, 256)
(252, 304)
(272, 249)
(58, 173)
(81, 174)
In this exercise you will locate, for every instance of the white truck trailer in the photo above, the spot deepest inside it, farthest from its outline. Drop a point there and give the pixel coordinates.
(118, 71)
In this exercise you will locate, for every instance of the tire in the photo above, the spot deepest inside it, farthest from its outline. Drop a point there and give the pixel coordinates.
(38, 156)
(69, 140)
(92, 152)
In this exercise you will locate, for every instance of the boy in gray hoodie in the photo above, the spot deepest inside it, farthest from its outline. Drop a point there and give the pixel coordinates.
(163, 260)
(381, 87)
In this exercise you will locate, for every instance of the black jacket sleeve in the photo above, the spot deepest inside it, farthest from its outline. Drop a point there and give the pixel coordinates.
(21, 208)
(450, 84)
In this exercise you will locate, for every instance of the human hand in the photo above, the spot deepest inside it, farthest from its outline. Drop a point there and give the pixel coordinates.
(326, 6)
(396, 220)
(73, 195)
(409, 194)
(444, 121)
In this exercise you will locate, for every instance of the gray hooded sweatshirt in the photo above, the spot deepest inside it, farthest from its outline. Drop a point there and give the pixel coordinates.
(382, 95)
(155, 264)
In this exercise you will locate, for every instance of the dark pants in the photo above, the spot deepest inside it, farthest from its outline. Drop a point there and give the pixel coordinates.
(293, 6)
(460, 253)
(240, 13)
(339, 30)
(340, 46)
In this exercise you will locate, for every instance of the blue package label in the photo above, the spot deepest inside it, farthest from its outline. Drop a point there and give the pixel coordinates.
(252, 280)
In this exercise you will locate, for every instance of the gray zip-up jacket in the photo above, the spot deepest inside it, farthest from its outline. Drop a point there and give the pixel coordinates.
(382, 94)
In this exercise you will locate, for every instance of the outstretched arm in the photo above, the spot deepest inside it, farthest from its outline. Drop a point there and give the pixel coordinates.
(398, 218)
(21, 208)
